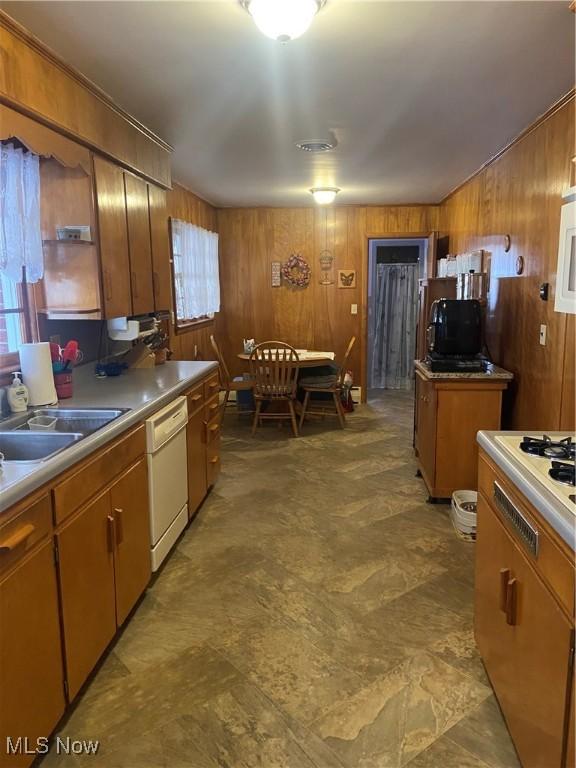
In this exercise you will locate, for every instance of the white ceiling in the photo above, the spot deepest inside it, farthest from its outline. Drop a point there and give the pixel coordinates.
(418, 94)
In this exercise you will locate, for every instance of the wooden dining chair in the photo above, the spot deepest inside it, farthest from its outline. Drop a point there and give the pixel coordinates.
(227, 383)
(274, 370)
(332, 384)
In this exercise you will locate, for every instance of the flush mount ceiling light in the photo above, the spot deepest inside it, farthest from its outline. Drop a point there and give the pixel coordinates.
(283, 20)
(315, 146)
(324, 195)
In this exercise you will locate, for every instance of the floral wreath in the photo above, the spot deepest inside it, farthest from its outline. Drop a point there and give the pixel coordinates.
(296, 271)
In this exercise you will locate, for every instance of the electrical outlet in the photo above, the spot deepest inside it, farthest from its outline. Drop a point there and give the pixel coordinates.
(543, 329)
(353, 309)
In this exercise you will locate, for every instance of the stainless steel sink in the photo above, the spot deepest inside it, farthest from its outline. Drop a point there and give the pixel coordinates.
(34, 446)
(68, 420)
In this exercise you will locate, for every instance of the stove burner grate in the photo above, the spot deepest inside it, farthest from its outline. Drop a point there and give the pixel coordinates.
(563, 473)
(552, 449)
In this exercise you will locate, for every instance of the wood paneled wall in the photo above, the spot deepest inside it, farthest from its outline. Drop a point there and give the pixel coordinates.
(35, 81)
(520, 194)
(318, 316)
(185, 205)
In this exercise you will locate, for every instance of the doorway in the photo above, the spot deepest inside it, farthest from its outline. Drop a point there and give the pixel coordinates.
(395, 267)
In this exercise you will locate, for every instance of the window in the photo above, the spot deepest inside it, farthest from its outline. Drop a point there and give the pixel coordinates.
(21, 258)
(196, 278)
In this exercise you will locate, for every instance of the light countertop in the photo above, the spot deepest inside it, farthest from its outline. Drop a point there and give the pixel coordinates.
(493, 372)
(143, 390)
(552, 510)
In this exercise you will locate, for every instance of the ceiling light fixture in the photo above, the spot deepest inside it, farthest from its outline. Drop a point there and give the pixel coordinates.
(316, 146)
(283, 20)
(324, 195)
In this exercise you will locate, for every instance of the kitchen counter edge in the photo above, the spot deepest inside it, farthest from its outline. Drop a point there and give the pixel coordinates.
(560, 519)
(28, 478)
(494, 372)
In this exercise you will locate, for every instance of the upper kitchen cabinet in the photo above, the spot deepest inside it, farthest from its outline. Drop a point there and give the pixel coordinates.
(139, 245)
(113, 231)
(160, 248)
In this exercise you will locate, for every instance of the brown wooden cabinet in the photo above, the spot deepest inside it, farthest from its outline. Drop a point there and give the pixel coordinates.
(132, 567)
(160, 244)
(113, 238)
(523, 631)
(448, 414)
(196, 447)
(31, 673)
(203, 440)
(139, 246)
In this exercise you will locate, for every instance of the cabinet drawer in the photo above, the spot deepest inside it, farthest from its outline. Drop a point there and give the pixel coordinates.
(93, 475)
(211, 409)
(211, 386)
(554, 566)
(195, 398)
(24, 531)
(213, 434)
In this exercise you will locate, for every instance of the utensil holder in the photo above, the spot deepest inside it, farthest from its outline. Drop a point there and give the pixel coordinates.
(63, 382)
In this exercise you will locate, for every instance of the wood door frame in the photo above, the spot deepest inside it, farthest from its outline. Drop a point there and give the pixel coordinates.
(364, 315)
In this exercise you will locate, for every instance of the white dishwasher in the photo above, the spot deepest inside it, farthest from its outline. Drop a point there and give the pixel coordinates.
(167, 477)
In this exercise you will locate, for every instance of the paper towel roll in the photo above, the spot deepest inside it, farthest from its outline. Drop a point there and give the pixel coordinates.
(36, 367)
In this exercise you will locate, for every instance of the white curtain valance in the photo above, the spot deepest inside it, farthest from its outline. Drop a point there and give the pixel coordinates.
(195, 252)
(20, 228)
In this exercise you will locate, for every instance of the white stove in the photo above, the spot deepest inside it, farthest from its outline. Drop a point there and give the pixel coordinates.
(540, 466)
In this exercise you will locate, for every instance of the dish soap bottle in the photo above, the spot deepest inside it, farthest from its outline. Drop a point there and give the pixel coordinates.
(17, 394)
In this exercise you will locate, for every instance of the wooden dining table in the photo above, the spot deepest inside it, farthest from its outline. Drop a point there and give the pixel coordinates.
(307, 358)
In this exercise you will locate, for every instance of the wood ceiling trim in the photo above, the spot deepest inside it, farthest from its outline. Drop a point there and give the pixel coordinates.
(32, 41)
(526, 132)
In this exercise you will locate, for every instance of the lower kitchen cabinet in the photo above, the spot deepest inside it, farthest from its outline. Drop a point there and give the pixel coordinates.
(196, 448)
(525, 639)
(86, 567)
(104, 566)
(31, 674)
(449, 413)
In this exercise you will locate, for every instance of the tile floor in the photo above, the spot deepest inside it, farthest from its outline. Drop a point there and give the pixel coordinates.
(316, 614)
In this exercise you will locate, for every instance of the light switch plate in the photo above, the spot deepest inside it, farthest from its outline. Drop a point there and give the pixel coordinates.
(353, 309)
(543, 329)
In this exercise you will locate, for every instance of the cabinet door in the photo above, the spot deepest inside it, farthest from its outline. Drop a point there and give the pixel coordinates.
(196, 449)
(31, 674)
(160, 243)
(86, 555)
(524, 640)
(139, 244)
(113, 237)
(540, 658)
(129, 499)
(426, 430)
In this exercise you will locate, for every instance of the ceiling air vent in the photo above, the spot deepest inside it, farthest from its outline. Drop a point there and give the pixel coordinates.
(315, 146)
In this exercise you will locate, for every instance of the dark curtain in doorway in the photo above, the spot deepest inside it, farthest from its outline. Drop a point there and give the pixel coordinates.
(396, 310)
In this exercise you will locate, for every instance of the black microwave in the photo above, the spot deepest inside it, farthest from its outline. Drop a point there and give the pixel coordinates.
(455, 328)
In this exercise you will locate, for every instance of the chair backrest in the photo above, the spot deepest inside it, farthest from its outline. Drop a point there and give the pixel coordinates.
(224, 372)
(274, 370)
(343, 365)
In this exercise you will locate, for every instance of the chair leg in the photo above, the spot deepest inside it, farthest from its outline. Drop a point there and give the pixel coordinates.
(339, 409)
(224, 404)
(304, 406)
(256, 416)
(293, 417)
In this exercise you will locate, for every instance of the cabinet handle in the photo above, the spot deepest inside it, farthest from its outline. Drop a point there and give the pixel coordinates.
(511, 602)
(195, 398)
(107, 285)
(214, 385)
(214, 460)
(111, 533)
(504, 578)
(119, 526)
(18, 537)
(134, 284)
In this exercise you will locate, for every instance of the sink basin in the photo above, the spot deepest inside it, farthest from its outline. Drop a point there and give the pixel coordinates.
(68, 420)
(34, 446)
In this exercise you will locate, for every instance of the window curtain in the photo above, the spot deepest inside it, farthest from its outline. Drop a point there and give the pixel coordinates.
(20, 229)
(395, 333)
(197, 279)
